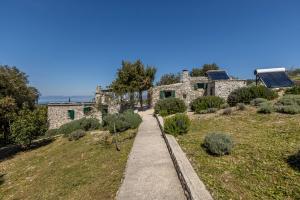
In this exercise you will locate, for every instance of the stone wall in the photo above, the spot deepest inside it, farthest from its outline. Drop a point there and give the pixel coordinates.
(222, 88)
(184, 91)
(58, 113)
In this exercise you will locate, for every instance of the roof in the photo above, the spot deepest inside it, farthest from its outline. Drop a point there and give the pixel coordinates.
(274, 77)
(70, 103)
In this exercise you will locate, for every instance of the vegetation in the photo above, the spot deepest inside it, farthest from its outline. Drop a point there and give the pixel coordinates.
(168, 79)
(86, 124)
(28, 125)
(205, 102)
(289, 104)
(294, 90)
(169, 106)
(201, 71)
(16, 95)
(263, 163)
(82, 169)
(120, 122)
(258, 101)
(265, 108)
(246, 94)
(218, 144)
(241, 106)
(227, 111)
(133, 77)
(208, 110)
(76, 135)
(177, 125)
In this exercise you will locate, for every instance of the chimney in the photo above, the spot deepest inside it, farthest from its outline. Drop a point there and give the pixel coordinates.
(185, 76)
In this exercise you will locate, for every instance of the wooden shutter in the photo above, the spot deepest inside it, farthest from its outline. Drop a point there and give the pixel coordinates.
(162, 95)
(71, 114)
(173, 93)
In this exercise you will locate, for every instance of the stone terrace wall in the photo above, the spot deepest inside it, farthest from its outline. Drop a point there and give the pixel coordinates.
(223, 88)
(58, 114)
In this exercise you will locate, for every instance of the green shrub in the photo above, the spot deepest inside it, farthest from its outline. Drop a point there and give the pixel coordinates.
(169, 106)
(265, 108)
(52, 132)
(177, 125)
(294, 90)
(258, 101)
(203, 103)
(288, 109)
(86, 124)
(132, 118)
(75, 135)
(227, 111)
(241, 106)
(246, 94)
(289, 100)
(218, 144)
(122, 121)
(224, 105)
(163, 113)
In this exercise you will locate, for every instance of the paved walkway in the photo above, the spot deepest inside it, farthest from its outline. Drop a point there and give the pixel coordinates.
(150, 173)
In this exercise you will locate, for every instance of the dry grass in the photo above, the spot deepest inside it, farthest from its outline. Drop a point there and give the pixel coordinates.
(257, 167)
(83, 169)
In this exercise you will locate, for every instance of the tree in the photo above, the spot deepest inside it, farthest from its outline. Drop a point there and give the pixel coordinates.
(133, 77)
(15, 93)
(168, 79)
(201, 71)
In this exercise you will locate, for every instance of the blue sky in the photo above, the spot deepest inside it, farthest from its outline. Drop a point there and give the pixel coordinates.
(68, 47)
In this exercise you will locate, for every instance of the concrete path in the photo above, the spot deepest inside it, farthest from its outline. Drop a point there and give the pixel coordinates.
(150, 173)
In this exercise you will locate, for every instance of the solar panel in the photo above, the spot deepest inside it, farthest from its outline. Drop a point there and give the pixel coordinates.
(275, 79)
(217, 75)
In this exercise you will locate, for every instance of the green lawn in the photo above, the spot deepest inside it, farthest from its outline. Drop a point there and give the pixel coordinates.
(82, 169)
(257, 167)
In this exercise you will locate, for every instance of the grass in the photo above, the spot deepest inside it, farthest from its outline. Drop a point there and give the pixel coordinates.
(258, 166)
(82, 169)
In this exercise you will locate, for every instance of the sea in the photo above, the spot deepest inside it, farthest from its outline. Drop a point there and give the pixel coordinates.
(61, 99)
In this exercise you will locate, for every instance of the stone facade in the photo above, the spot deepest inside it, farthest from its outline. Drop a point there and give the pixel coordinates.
(188, 89)
(222, 88)
(58, 113)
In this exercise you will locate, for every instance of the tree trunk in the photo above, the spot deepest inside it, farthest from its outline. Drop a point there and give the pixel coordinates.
(141, 98)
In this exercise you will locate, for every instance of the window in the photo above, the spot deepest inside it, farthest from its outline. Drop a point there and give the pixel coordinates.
(167, 94)
(86, 110)
(200, 86)
(71, 114)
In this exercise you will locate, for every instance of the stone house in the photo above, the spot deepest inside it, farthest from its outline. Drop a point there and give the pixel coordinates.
(191, 88)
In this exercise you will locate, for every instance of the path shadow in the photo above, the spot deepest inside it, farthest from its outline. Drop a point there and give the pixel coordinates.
(11, 150)
(294, 161)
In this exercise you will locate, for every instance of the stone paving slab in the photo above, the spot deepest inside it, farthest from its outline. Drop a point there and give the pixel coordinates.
(150, 173)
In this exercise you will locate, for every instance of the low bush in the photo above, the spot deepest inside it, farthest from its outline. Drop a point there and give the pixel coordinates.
(218, 144)
(224, 105)
(177, 125)
(86, 124)
(120, 122)
(227, 111)
(288, 109)
(75, 135)
(169, 106)
(246, 94)
(241, 106)
(294, 90)
(206, 102)
(265, 108)
(258, 101)
(209, 110)
(52, 132)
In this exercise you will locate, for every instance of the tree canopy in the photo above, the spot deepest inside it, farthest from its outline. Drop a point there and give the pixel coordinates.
(133, 77)
(201, 71)
(168, 79)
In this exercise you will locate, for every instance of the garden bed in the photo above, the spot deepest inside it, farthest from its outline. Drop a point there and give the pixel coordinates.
(262, 164)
